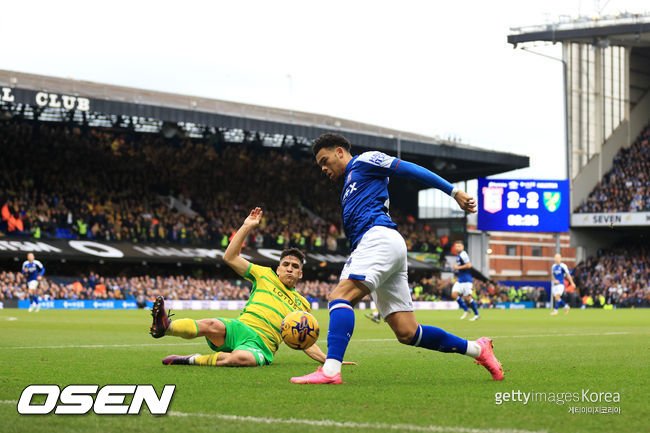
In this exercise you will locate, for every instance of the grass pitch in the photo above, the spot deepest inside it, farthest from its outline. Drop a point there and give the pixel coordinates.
(394, 387)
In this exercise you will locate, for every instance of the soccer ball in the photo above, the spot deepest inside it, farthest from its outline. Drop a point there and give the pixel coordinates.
(299, 330)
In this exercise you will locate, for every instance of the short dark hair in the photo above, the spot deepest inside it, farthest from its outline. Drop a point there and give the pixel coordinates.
(330, 140)
(295, 252)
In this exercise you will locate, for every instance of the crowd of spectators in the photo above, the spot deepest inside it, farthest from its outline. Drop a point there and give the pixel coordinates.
(487, 293)
(94, 286)
(619, 276)
(63, 180)
(626, 187)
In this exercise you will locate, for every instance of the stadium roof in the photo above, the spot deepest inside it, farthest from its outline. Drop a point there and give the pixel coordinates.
(453, 160)
(630, 30)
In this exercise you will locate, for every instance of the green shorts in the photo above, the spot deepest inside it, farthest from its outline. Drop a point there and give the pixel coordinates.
(240, 336)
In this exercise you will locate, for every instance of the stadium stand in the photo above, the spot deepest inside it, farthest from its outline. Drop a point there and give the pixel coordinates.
(66, 181)
(619, 276)
(626, 187)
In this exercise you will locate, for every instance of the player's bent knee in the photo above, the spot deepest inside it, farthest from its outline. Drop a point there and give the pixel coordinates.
(404, 336)
(215, 325)
(214, 328)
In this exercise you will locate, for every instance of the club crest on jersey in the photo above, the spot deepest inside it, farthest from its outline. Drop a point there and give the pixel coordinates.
(552, 200)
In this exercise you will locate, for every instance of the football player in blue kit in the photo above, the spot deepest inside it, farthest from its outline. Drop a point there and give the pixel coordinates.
(464, 285)
(560, 271)
(377, 264)
(33, 271)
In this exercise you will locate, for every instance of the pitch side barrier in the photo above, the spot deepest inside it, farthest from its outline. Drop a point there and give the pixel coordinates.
(118, 304)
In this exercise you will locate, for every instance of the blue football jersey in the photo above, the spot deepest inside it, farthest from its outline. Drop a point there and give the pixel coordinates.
(559, 273)
(464, 275)
(32, 270)
(364, 199)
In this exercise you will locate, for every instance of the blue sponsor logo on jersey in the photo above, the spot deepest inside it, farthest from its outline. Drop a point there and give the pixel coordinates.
(378, 158)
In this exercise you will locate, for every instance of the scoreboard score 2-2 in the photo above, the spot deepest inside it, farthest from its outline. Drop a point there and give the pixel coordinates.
(523, 205)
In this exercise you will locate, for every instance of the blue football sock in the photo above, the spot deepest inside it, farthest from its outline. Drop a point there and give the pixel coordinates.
(36, 299)
(461, 304)
(434, 338)
(474, 307)
(560, 304)
(340, 328)
(31, 299)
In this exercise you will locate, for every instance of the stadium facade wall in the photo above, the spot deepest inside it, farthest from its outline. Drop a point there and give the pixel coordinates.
(519, 255)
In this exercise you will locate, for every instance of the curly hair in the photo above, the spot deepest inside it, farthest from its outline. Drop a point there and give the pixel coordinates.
(330, 140)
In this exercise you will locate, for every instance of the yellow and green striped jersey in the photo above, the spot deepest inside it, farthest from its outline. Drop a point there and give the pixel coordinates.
(269, 303)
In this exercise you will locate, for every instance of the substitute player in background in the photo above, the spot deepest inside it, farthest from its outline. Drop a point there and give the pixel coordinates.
(464, 285)
(560, 271)
(33, 271)
(254, 337)
(377, 264)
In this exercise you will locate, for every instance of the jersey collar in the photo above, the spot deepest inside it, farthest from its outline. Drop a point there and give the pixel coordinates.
(350, 164)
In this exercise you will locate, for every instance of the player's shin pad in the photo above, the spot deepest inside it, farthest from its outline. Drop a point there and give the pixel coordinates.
(184, 328)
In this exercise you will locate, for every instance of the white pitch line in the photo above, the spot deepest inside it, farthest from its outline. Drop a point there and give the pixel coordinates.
(101, 346)
(337, 424)
(363, 340)
(366, 340)
(348, 424)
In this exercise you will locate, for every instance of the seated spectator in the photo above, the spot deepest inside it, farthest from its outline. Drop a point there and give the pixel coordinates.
(626, 187)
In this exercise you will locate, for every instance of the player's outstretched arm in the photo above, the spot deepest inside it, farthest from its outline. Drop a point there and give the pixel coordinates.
(429, 178)
(232, 255)
(317, 355)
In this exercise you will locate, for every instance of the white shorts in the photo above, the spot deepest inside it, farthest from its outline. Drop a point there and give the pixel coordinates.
(379, 262)
(32, 285)
(558, 289)
(464, 289)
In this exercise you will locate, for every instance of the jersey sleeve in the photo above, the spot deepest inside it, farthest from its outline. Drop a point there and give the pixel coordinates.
(464, 257)
(565, 268)
(41, 268)
(23, 270)
(413, 171)
(377, 164)
(255, 271)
